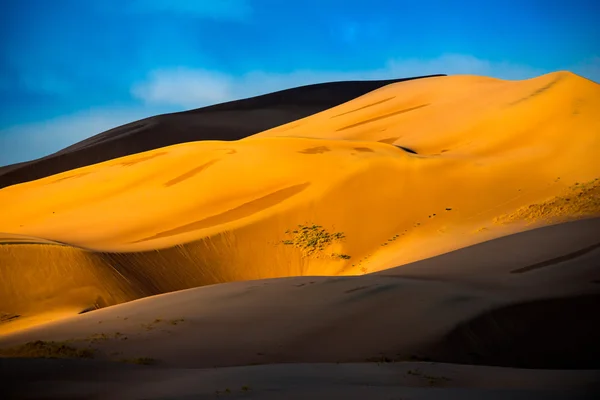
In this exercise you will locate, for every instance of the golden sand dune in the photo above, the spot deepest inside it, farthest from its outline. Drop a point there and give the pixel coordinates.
(406, 172)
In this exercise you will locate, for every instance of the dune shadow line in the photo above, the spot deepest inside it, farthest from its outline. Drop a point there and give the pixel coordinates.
(556, 260)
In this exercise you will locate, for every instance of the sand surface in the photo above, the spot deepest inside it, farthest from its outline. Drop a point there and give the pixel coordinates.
(349, 336)
(357, 318)
(54, 379)
(330, 194)
(362, 252)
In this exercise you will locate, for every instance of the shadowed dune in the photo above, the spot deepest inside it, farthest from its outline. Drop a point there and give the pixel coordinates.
(228, 121)
(451, 312)
(554, 333)
(55, 379)
(386, 334)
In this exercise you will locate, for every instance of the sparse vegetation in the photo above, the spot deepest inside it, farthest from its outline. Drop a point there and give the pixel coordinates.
(580, 200)
(139, 361)
(312, 239)
(98, 337)
(415, 357)
(392, 239)
(44, 349)
(380, 359)
(152, 325)
(226, 391)
(431, 380)
(341, 256)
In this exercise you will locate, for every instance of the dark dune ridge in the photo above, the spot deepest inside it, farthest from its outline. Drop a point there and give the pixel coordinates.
(558, 333)
(227, 121)
(463, 307)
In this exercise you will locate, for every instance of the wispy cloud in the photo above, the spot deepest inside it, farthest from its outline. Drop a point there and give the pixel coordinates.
(33, 140)
(184, 87)
(190, 88)
(168, 90)
(235, 10)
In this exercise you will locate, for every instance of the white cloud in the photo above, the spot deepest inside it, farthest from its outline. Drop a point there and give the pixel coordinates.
(184, 87)
(191, 88)
(29, 141)
(173, 89)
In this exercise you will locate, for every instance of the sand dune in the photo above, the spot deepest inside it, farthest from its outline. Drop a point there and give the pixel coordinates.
(327, 319)
(472, 158)
(429, 222)
(378, 323)
(228, 121)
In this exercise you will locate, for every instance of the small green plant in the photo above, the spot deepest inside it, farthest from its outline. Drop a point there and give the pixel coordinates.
(245, 388)
(311, 239)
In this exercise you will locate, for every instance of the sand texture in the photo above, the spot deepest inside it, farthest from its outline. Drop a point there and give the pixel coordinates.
(432, 238)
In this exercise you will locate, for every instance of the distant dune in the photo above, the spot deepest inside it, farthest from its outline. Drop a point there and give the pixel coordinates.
(228, 121)
(409, 171)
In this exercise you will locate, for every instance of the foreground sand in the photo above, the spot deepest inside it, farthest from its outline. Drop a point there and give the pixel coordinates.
(406, 172)
(408, 380)
(526, 300)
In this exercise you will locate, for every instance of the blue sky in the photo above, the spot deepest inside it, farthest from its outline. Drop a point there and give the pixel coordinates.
(73, 68)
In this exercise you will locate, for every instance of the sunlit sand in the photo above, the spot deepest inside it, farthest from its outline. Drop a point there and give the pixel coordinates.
(406, 172)
(395, 178)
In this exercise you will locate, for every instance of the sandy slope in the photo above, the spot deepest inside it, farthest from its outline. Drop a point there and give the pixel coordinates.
(533, 318)
(324, 319)
(210, 212)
